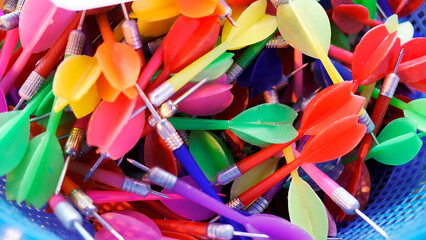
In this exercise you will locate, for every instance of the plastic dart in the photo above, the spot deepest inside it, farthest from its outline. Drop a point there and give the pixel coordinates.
(39, 75)
(318, 115)
(259, 223)
(308, 35)
(339, 195)
(342, 136)
(36, 33)
(15, 132)
(252, 19)
(184, 208)
(266, 73)
(273, 125)
(85, 204)
(388, 88)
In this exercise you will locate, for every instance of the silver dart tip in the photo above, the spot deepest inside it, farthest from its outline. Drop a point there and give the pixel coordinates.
(95, 166)
(159, 194)
(108, 226)
(247, 234)
(232, 21)
(138, 165)
(21, 101)
(372, 224)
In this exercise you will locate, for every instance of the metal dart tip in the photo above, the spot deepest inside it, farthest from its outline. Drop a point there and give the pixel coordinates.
(138, 112)
(399, 61)
(83, 232)
(372, 224)
(215, 182)
(159, 194)
(138, 165)
(108, 226)
(374, 138)
(215, 219)
(98, 162)
(120, 161)
(21, 101)
(247, 234)
(231, 20)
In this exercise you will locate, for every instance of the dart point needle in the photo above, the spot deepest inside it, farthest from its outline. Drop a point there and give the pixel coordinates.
(107, 226)
(373, 224)
(231, 20)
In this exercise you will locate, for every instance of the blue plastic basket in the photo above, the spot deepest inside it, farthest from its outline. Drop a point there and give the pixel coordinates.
(397, 201)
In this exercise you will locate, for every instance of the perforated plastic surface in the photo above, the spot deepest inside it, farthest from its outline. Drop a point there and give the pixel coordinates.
(418, 19)
(397, 201)
(23, 222)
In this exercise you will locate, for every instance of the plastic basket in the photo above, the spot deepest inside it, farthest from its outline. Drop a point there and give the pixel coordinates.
(397, 201)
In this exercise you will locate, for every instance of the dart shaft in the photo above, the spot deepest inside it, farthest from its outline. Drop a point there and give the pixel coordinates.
(254, 192)
(340, 54)
(252, 161)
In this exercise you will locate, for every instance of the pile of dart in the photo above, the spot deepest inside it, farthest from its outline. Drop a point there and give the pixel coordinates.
(207, 119)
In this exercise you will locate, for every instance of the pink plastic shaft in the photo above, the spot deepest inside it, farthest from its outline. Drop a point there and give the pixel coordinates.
(321, 179)
(12, 75)
(10, 41)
